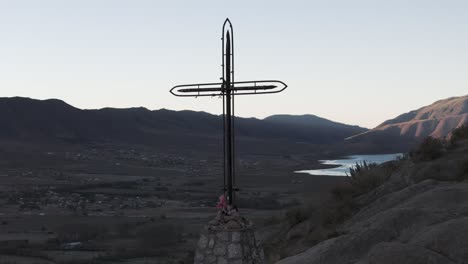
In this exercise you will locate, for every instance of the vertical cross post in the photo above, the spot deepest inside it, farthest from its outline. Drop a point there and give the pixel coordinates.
(227, 89)
(229, 136)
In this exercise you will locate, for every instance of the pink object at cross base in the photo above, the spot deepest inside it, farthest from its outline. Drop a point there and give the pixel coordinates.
(222, 203)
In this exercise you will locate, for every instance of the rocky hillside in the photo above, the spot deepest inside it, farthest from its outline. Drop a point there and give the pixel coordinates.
(435, 120)
(410, 211)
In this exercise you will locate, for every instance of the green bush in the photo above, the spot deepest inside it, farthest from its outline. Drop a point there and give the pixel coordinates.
(362, 178)
(458, 134)
(430, 149)
(296, 215)
(343, 192)
(365, 177)
(463, 174)
(336, 212)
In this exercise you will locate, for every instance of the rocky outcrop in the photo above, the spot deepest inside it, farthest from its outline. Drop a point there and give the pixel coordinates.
(426, 222)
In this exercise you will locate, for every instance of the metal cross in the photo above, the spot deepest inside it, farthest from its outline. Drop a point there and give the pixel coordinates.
(227, 89)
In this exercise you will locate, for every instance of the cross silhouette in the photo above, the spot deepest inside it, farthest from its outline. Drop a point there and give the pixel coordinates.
(228, 89)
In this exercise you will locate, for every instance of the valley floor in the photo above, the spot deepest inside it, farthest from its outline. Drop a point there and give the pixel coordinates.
(102, 203)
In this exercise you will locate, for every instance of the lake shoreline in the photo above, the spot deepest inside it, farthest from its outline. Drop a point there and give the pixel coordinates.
(341, 167)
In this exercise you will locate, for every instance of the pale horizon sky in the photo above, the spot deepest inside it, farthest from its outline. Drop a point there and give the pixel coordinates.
(356, 62)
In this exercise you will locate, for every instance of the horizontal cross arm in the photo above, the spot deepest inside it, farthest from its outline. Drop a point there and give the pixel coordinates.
(237, 88)
(247, 88)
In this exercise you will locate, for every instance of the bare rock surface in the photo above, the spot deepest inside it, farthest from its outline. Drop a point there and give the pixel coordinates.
(397, 253)
(450, 239)
(425, 222)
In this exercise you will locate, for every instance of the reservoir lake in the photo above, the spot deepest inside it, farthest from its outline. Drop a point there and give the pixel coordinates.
(343, 165)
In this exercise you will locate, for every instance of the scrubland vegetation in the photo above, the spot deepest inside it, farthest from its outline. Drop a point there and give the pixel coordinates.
(304, 226)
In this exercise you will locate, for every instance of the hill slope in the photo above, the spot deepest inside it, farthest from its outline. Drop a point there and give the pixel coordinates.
(417, 215)
(436, 120)
(314, 123)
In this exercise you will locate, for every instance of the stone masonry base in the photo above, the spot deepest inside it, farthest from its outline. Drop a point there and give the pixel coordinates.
(222, 246)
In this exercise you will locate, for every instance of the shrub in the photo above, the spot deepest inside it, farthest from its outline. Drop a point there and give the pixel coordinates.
(343, 191)
(364, 177)
(296, 216)
(458, 134)
(430, 149)
(337, 212)
(463, 175)
(404, 157)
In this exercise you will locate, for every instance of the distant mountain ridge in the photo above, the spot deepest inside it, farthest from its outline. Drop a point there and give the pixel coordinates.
(54, 120)
(437, 120)
(309, 120)
(317, 123)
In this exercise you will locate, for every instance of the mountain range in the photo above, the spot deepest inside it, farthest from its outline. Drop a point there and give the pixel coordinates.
(53, 120)
(31, 120)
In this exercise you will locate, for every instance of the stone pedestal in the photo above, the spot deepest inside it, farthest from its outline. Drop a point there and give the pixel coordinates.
(229, 246)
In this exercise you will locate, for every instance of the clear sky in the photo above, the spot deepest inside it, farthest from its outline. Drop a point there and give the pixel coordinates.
(357, 62)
